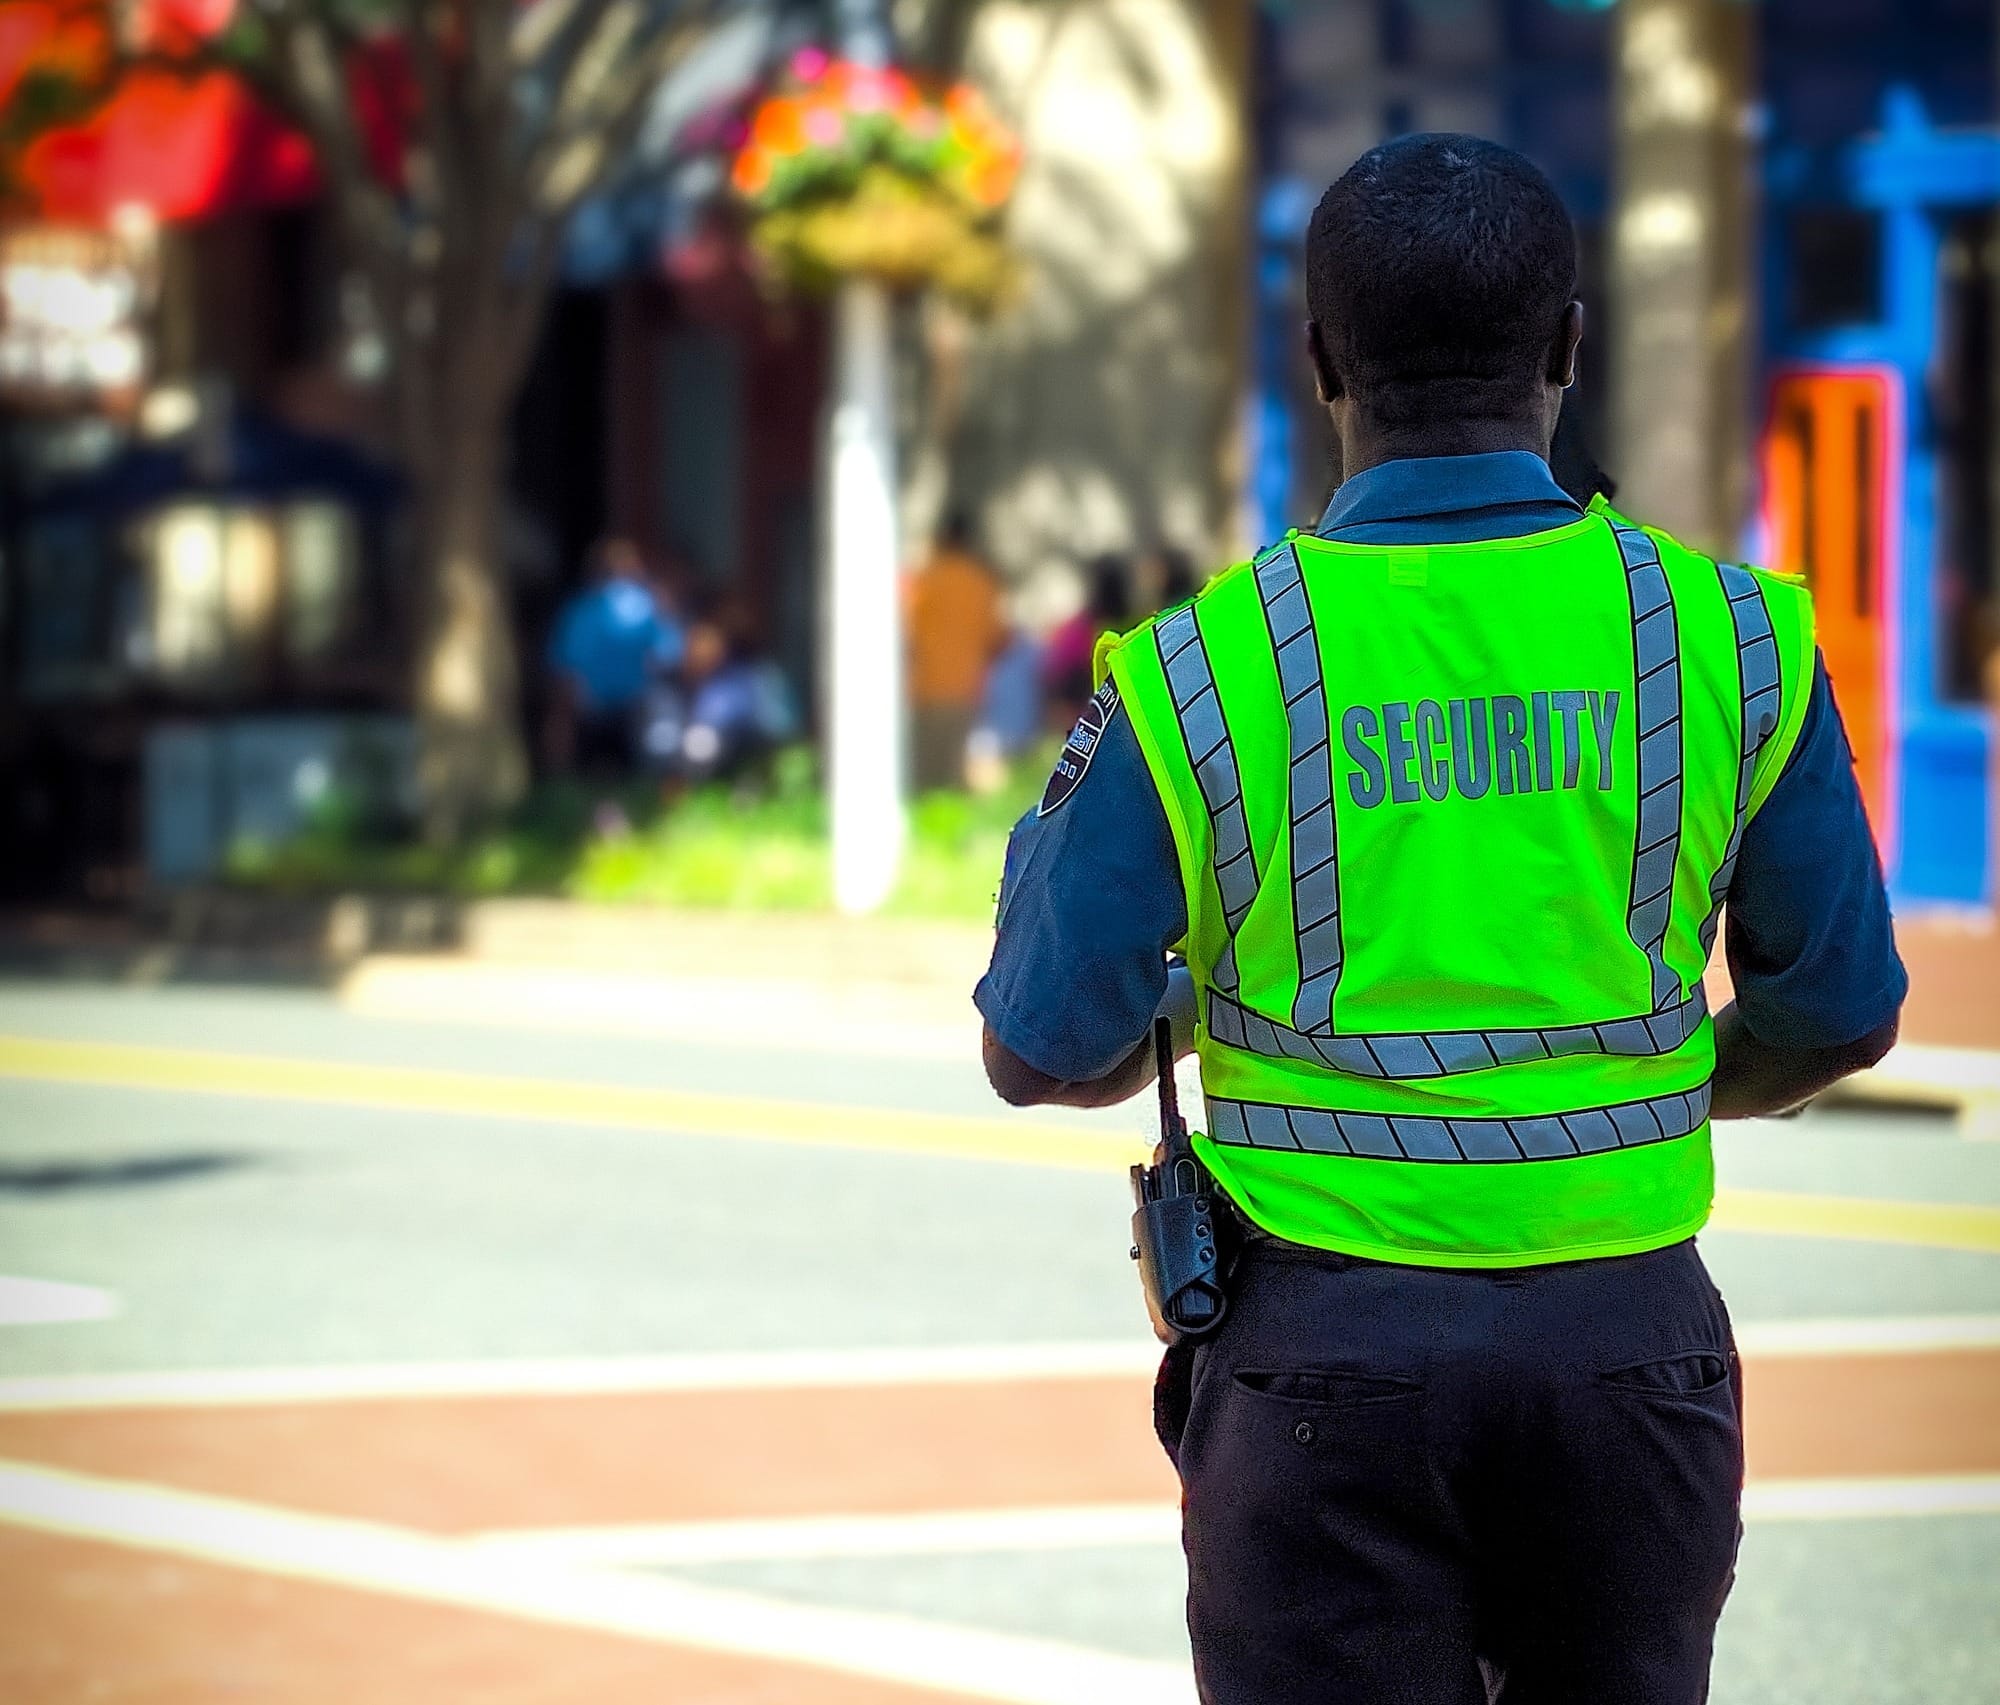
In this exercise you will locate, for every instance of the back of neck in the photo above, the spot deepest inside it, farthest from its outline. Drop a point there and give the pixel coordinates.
(1367, 445)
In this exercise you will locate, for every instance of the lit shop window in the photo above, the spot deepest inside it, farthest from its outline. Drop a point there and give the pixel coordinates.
(207, 588)
(322, 580)
(237, 591)
(73, 304)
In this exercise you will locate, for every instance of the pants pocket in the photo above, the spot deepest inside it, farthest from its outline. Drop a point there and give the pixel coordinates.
(1324, 1388)
(1691, 1373)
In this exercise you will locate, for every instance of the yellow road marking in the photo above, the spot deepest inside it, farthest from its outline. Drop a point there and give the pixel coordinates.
(1931, 1225)
(566, 1102)
(1023, 1141)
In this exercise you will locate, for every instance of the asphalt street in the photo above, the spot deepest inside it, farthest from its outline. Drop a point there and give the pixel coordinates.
(808, 1353)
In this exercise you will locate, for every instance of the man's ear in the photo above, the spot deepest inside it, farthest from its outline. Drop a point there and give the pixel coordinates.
(1562, 352)
(1326, 382)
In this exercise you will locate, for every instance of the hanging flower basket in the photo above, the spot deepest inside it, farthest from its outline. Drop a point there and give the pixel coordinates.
(849, 172)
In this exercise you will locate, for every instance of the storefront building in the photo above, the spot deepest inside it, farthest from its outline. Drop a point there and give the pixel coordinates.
(1874, 252)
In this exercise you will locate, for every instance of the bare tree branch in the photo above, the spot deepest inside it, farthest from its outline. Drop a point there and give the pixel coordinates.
(489, 31)
(600, 119)
(548, 201)
(535, 41)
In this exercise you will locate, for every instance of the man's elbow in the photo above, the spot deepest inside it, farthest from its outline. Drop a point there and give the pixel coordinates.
(1873, 1048)
(1015, 1081)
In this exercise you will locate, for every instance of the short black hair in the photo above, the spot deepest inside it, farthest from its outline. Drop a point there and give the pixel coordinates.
(1438, 269)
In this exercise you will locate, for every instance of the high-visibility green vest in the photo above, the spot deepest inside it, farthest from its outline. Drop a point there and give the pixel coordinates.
(1455, 824)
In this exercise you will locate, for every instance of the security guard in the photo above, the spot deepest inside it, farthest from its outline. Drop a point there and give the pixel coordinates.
(1442, 802)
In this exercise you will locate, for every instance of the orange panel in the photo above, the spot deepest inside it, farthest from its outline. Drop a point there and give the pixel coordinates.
(1826, 486)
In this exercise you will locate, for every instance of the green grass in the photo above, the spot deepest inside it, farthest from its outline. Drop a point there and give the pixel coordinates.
(747, 848)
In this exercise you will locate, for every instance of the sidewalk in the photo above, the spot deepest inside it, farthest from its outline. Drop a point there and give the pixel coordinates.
(882, 987)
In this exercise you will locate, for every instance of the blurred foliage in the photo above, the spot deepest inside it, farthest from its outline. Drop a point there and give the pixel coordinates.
(889, 229)
(43, 98)
(758, 845)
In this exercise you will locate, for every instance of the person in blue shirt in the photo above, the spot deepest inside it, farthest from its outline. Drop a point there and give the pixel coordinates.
(1446, 1486)
(611, 642)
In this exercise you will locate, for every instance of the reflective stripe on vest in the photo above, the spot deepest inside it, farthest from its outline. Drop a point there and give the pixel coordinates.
(1198, 710)
(1281, 588)
(1757, 674)
(1657, 650)
(1426, 1054)
(1562, 1136)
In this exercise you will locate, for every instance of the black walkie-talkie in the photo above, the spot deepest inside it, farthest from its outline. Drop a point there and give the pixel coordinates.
(1175, 1222)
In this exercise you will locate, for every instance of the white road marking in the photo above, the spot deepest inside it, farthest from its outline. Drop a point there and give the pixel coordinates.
(48, 1302)
(884, 1020)
(1851, 1500)
(569, 1578)
(1083, 1527)
(1966, 1079)
(405, 1564)
(727, 1370)
(1075, 1527)
(760, 1370)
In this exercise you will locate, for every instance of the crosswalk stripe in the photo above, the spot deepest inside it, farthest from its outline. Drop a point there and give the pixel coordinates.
(815, 1368)
(374, 1558)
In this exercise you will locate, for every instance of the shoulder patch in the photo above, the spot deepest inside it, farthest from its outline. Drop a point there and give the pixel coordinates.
(1073, 762)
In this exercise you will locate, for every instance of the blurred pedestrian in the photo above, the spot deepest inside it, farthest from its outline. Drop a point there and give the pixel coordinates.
(1010, 713)
(610, 642)
(1177, 578)
(957, 627)
(1107, 608)
(662, 713)
(739, 704)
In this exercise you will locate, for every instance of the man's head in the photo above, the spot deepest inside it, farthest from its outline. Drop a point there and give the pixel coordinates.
(618, 559)
(955, 531)
(1440, 281)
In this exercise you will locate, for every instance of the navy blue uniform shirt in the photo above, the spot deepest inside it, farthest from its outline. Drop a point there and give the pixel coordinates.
(1091, 900)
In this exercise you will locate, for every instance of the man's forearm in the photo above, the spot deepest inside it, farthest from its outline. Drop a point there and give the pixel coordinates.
(1755, 1080)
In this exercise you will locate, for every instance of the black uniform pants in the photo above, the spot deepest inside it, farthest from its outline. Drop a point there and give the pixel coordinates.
(1407, 1486)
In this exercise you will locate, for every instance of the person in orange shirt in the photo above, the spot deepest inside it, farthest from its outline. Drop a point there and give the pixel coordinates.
(956, 627)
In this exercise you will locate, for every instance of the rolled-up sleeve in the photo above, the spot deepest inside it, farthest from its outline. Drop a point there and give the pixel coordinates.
(1090, 903)
(1810, 941)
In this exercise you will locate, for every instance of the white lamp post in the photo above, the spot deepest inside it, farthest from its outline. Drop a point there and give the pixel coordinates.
(864, 626)
(864, 696)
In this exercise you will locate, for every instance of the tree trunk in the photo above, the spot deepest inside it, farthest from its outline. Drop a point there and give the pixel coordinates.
(1680, 267)
(1231, 250)
(472, 762)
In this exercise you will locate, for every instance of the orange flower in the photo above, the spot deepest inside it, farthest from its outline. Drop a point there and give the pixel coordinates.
(949, 140)
(779, 125)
